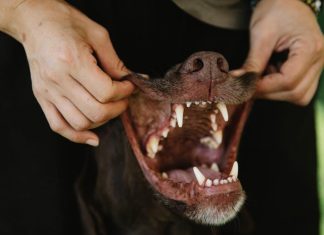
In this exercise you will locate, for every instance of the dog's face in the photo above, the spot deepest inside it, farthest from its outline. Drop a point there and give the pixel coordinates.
(185, 129)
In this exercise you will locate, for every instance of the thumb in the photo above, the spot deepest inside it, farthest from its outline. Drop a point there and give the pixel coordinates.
(108, 58)
(261, 49)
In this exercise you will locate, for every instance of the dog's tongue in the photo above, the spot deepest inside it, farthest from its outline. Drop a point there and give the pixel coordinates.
(187, 175)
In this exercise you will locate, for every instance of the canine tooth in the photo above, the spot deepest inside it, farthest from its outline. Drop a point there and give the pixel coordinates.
(199, 176)
(188, 104)
(173, 122)
(214, 167)
(218, 136)
(208, 183)
(164, 175)
(234, 171)
(152, 146)
(179, 112)
(216, 181)
(222, 108)
(213, 118)
(165, 132)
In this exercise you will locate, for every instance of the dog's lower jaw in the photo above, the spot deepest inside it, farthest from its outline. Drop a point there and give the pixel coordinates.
(208, 214)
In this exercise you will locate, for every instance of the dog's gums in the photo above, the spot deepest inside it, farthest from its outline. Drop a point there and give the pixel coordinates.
(185, 130)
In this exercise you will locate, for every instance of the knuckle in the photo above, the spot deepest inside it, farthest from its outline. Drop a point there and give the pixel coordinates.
(65, 56)
(56, 127)
(99, 117)
(102, 33)
(81, 125)
(288, 84)
(295, 96)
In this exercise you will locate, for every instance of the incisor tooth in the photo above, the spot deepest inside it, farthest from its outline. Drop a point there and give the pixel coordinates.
(152, 146)
(188, 104)
(222, 108)
(208, 183)
(216, 182)
(214, 167)
(234, 171)
(199, 176)
(179, 114)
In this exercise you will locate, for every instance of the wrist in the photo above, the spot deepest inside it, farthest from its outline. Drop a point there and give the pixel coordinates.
(23, 16)
(315, 5)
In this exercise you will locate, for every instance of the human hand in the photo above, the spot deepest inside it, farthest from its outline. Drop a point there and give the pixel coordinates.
(276, 26)
(63, 47)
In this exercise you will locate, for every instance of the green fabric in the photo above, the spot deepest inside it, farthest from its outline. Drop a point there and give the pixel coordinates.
(320, 138)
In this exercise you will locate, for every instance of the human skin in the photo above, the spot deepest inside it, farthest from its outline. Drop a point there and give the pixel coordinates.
(76, 95)
(63, 48)
(276, 26)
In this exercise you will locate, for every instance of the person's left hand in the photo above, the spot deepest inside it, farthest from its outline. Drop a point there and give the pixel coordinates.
(276, 26)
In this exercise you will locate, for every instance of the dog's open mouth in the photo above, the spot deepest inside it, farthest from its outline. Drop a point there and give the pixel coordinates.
(187, 147)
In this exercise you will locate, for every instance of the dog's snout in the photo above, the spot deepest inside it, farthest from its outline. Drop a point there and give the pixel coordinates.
(209, 65)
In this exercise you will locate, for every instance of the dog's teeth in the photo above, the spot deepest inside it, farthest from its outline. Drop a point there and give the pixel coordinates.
(222, 182)
(203, 103)
(214, 167)
(209, 142)
(213, 118)
(214, 126)
(222, 108)
(164, 175)
(188, 104)
(216, 181)
(230, 179)
(165, 132)
(179, 114)
(218, 136)
(209, 102)
(208, 183)
(199, 176)
(173, 122)
(234, 171)
(196, 102)
(152, 146)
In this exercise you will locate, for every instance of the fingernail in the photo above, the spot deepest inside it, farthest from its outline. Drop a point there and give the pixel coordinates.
(92, 142)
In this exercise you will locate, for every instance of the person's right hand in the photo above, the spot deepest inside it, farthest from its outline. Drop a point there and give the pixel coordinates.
(63, 47)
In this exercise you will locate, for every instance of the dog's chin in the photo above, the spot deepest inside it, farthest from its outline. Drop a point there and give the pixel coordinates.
(206, 213)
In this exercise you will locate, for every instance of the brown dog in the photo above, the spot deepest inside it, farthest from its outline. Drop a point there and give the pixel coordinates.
(183, 130)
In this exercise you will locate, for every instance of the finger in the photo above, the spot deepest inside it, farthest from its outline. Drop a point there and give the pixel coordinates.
(302, 93)
(106, 54)
(99, 84)
(95, 111)
(71, 114)
(261, 48)
(60, 126)
(290, 74)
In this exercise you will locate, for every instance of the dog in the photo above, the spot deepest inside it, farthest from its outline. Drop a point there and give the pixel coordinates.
(168, 165)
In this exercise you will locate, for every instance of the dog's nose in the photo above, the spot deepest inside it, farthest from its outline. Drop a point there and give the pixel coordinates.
(206, 65)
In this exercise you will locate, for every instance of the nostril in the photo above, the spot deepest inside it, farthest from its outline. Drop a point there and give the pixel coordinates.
(220, 64)
(197, 65)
